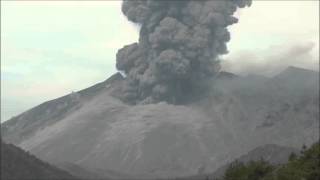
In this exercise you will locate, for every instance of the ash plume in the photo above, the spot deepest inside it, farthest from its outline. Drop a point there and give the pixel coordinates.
(178, 49)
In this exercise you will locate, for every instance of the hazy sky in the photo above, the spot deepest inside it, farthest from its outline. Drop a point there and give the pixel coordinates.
(49, 49)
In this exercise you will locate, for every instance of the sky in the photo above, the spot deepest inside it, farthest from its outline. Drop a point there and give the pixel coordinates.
(51, 48)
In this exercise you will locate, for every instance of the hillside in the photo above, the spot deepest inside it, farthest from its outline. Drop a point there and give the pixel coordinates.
(304, 166)
(17, 164)
(270, 153)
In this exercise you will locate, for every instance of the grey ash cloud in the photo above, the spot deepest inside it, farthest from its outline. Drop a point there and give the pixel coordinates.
(178, 49)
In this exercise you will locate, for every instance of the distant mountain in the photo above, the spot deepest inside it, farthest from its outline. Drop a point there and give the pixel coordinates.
(297, 78)
(226, 75)
(17, 164)
(94, 130)
(296, 72)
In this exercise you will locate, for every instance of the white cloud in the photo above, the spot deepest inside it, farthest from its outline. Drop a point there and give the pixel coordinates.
(272, 60)
(269, 30)
(50, 48)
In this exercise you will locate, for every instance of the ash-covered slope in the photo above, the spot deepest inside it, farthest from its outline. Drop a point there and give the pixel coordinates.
(163, 140)
(17, 164)
(47, 113)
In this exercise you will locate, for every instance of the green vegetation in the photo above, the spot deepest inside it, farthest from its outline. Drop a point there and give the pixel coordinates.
(250, 171)
(305, 166)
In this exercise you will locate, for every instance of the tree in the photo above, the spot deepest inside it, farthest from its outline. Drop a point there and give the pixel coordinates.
(250, 171)
(305, 166)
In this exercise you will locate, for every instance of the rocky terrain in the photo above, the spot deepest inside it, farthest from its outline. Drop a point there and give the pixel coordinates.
(94, 130)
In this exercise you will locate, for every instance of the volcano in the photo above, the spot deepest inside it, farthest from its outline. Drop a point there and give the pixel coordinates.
(96, 131)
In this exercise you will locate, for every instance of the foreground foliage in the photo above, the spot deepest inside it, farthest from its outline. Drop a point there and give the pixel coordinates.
(305, 166)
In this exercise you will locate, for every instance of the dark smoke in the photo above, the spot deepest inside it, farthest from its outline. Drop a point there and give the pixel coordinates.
(179, 47)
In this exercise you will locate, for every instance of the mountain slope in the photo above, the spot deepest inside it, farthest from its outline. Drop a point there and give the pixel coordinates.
(26, 124)
(270, 153)
(17, 164)
(163, 140)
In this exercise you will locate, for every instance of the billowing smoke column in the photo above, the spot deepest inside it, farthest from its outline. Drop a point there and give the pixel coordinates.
(178, 49)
